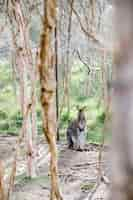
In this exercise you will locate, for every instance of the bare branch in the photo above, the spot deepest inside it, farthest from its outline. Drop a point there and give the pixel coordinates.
(90, 35)
(79, 56)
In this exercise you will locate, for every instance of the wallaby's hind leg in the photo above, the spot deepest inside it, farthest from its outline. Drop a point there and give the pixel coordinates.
(69, 139)
(81, 140)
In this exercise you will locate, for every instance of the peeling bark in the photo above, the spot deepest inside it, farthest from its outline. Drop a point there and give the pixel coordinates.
(25, 69)
(48, 88)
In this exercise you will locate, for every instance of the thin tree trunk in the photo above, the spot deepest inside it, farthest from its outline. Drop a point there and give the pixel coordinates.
(2, 189)
(24, 67)
(67, 71)
(57, 81)
(104, 79)
(14, 165)
(48, 89)
(93, 11)
(25, 99)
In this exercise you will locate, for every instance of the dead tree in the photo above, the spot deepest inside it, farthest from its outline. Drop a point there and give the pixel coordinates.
(48, 88)
(122, 176)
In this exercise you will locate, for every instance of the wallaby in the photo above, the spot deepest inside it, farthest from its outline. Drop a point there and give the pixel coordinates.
(76, 131)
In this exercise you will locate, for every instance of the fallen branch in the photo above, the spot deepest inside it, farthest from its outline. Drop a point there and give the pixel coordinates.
(84, 164)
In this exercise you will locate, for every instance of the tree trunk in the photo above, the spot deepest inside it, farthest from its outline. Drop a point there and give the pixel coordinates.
(2, 189)
(122, 180)
(24, 66)
(57, 81)
(67, 70)
(104, 80)
(48, 88)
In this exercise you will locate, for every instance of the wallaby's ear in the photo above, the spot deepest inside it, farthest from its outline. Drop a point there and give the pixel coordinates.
(79, 108)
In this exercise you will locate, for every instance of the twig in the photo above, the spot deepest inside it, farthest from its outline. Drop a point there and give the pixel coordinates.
(79, 56)
(90, 35)
(105, 180)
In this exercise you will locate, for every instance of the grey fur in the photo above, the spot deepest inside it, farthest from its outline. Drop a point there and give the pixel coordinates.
(76, 132)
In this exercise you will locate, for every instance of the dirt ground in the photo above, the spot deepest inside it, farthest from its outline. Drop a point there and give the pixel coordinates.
(77, 172)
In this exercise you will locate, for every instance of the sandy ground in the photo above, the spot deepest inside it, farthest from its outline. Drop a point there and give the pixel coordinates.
(77, 172)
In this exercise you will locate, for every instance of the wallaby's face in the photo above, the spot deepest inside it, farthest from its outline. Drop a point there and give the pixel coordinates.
(81, 121)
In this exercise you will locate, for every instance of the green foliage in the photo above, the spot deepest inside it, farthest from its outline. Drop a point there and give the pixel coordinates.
(23, 179)
(11, 117)
(7, 98)
(3, 114)
(94, 135)
(4, 126)
(95, 119)
(65, 117)
(87, 186)
(95, 112)
(101, 118)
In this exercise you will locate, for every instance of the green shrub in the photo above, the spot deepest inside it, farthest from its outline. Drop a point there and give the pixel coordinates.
(101, 117)
(4, 126)
(3, 114)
